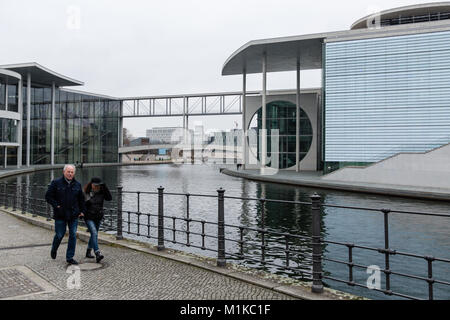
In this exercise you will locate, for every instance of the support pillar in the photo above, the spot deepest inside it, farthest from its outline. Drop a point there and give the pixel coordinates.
(20, 124)
(297, 121)
(28, 152)
(244, 126)
(52, 132)
(5, 159)
(264, 114)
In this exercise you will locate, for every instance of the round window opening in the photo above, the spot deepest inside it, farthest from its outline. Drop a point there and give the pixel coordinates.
(281, 134)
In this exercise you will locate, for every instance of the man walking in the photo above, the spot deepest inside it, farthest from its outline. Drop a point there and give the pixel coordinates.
(67, 199)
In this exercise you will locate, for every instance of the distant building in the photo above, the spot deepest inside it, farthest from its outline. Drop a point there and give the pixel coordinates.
(140, 142)
(165, 135)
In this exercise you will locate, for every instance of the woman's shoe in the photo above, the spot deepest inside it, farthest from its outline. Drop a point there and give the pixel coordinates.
(89, 254)
(98, 256)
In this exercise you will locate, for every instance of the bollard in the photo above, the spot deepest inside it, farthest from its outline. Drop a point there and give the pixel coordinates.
(221, 230)
(119, 235)
(160, 218)
(317, 286)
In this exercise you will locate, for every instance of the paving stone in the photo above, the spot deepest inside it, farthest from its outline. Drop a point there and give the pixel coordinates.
(124, 273)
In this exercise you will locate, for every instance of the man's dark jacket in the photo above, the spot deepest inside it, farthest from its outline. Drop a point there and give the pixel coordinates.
(69, 198)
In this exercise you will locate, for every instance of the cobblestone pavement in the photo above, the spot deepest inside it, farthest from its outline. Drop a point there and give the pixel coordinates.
(126, 274)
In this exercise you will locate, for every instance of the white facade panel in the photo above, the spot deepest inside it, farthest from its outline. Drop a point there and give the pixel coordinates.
(386, 95)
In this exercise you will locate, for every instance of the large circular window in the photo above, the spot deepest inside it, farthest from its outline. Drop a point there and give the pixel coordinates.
(281, 127)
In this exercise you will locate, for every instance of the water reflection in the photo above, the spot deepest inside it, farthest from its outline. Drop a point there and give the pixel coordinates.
(417, 234)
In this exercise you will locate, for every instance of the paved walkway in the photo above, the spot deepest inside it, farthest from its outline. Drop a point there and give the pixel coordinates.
(130, 270)
(125, 274)
(313, 180)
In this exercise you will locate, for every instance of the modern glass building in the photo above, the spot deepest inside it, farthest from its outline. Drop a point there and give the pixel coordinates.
(385, 86)
(43, 123)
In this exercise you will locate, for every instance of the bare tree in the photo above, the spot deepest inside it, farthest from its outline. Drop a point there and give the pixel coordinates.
(127, 137)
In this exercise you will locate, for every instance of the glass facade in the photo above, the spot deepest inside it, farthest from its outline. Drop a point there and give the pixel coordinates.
(8, 130)
(281, 116)
(86, 127)
(386, 95)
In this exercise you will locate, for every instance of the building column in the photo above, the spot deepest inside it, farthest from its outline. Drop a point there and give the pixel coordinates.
(28, 118)
(264, 115)
(120, 133)
(20, 123)
(297, 121)
(184, 120)
(5, 150)
(244, 126)
(52, 132)
(6, 97)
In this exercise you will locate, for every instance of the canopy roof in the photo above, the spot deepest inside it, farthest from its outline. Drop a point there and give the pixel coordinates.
(41, 75)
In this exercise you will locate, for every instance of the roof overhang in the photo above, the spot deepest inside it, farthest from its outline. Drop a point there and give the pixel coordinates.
(282, 55)
(9, 77)
(41, 75)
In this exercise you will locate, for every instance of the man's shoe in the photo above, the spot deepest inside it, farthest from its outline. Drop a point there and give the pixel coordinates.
(53, 254)
(98, 256)
(72, 261)
(89, 253)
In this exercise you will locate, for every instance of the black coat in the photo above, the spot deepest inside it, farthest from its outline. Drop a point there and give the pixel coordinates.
(66, 199)
(94, 204)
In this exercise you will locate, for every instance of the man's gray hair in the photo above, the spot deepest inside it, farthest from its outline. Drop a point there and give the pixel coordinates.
(69, 165)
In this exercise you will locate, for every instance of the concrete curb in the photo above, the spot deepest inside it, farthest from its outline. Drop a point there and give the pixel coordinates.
(295, 289)
(385, 190)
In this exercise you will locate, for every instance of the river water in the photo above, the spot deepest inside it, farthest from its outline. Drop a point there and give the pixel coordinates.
(421, 235)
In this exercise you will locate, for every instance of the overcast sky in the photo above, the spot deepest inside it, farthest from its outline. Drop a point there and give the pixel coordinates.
(137, 48)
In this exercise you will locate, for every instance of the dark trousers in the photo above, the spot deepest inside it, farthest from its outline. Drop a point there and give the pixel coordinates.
(93, 227)
(60, 231)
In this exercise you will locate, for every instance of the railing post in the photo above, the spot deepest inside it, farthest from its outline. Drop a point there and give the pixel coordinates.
(34, 201)
(387, 250)
(24, 198)
(5, 196)
(221, 230)
(317, 286)
(14, 205)
(49, 210)
(160, 218)
(119, 235)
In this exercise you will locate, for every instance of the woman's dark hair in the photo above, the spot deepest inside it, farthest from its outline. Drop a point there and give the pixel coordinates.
(87, 188)
(94, 180)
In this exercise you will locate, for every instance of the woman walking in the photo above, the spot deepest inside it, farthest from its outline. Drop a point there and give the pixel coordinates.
(96, 192)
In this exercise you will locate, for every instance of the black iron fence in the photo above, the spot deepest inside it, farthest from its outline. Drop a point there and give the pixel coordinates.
(302, 255)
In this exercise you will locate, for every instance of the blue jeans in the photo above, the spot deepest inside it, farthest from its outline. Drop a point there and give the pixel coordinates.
(60, 231)
(93, 227)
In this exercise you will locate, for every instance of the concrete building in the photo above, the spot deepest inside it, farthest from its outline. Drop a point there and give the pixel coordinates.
(385, 90)
(163, 135)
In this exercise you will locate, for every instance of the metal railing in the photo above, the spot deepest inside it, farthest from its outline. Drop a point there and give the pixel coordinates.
(302, 255)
